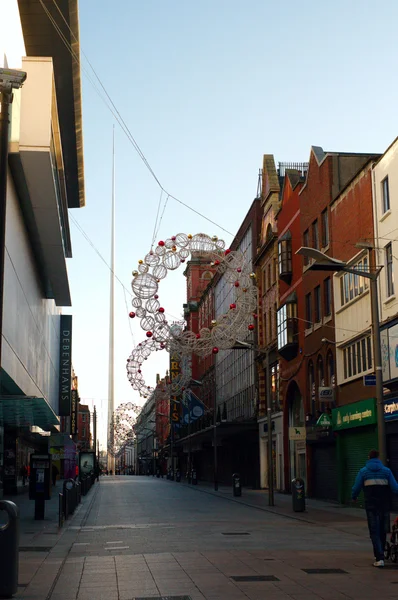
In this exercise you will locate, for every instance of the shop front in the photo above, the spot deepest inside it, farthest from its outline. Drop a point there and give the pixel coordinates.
(277, 450)
(391, 419)
(356, 428)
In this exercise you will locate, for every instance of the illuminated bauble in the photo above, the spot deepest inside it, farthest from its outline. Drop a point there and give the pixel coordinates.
(239, 270)
(253, 276)
(189, 236)
(216, 262)
(149, 334)
(236, 284)
(135, 273)
(250, 327)
(228, 251)
(132, 315)
(215, 350)
(213, 323)
(198, 336)
(156, 296)
(161, 243)
(173, 239)
(214, 238)
(140, 262)
(232, 306)
(255, 316)
(161, 310)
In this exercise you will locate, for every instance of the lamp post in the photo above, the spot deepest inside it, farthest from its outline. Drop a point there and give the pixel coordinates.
(322, 262)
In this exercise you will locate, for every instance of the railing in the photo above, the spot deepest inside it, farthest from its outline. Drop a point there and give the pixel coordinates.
(297, 166)
(71, 496)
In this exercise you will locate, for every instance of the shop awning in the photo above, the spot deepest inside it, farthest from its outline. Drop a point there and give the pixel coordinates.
(25, 411)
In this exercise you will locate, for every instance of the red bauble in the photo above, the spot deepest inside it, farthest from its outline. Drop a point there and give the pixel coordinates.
(156, 296)
(198, 336)
(232, 306)
(183, 260)
(215, 350)
(227, 251)
(183, 389)
(239, 270)
(161, 310)
(132, 315)
(173, 238)
(236, 284)
(250, 327)
(216, 262)
(138, 371)
(161, 243)
(162, 346)
(149, 334)
(255, 316)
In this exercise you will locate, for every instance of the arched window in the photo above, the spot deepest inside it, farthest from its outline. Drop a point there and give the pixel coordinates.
(207, 275)
(321, 373)
(311, 386)
(269, 231)
(330, 369)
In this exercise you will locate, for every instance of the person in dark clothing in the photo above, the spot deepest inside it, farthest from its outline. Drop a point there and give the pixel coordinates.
(54, 473)
(377, 482)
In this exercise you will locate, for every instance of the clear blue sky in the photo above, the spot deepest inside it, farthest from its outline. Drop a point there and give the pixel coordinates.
(207, 88)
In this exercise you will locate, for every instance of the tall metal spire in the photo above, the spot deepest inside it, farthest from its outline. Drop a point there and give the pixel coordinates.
(111, 386)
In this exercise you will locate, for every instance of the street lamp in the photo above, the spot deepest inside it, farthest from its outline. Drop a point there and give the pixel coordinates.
(322, 262)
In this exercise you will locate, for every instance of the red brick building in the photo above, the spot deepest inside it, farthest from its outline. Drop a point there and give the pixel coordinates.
(291, 312)
(329, 173)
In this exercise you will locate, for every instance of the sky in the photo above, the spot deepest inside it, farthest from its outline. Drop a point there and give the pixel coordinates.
(206, 89)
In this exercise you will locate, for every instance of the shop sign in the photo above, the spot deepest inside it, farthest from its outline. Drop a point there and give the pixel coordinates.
(65, 366)
(175, 400)
(73, 415)
(297, 433)
(326, 394)
(391, 410)
(357, 414)
(324, 420)
(389, 352)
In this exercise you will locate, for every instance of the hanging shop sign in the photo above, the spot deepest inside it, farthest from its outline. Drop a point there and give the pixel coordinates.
(324, 420)
(357, 414)
(297, 433)
(175, 400)
(73, 414)
(326, 394)
(65, 366)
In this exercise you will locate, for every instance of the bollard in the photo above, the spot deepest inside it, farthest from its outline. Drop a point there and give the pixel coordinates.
(61, 516)
(298, 495)
(69, 498)
(236, 485)
(178, 475)
(9, 546)
(194, 478)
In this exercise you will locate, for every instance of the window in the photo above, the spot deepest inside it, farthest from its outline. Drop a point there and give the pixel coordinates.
(275, 386)
(389, 270)
(352, 286)
(287, 324)
(84, 432)
(308, 311)
(306, 244)
(325, 228)
(315, 235)
(327, 297)
(265, 280)
(321, 375)
(311, 385)
(317, 294)
(386, 195)
(357, 357)
(330, 368)
(269, 275)
(270, 325)
(83, 418)
(285, 257)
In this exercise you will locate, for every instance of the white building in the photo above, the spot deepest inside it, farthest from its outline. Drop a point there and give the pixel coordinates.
(45, 179)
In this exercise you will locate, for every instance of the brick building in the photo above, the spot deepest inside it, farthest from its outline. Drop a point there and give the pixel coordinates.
(83, 427)
(328, 175)
(290, 317)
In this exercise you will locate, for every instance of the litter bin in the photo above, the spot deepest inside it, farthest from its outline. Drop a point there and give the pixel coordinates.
(236, 485)
(298, 495)
(178, 475)
(9, 546)
(194, 477)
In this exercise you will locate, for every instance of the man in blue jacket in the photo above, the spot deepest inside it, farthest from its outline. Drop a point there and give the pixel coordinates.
(377, 482)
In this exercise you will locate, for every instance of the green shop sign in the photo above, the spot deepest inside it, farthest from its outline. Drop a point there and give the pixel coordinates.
(357, 414)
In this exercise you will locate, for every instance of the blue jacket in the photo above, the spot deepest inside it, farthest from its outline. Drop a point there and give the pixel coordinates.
(377, 482)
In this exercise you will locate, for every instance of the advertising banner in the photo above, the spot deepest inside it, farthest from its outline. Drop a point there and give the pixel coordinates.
(86, 463)
(175, 401)
(73, 412)
(65, 366)
(193, 408)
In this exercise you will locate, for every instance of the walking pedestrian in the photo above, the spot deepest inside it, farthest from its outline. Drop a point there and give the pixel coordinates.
(54, 473)
(377, 482)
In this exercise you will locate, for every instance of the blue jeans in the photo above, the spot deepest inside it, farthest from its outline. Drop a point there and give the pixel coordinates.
(377, 531)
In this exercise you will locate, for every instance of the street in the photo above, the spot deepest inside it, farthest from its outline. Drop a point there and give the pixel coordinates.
(142, 537)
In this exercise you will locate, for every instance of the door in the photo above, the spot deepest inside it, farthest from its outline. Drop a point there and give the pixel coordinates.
(392, 448)
(325, 479)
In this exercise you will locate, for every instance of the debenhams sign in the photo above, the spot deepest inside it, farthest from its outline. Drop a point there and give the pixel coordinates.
(65, 366)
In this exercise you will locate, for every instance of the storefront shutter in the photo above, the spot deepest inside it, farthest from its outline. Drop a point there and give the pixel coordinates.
(392, 443)
(325, 472)
(355, 446)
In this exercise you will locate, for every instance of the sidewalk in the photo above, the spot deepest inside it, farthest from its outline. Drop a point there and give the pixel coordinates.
(349, 519)
(42, 545)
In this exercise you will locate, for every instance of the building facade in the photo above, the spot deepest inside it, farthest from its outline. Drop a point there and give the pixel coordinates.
(45, 179)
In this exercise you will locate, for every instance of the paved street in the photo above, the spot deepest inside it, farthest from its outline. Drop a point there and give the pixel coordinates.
(141, 537)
